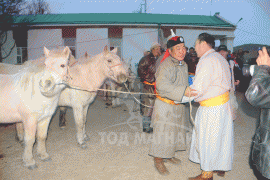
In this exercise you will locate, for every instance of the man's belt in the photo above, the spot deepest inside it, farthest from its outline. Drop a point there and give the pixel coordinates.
(165, 100)
(216, 101)
(148, 83)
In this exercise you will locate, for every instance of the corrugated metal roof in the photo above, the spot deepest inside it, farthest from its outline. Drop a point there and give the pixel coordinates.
(122, 18)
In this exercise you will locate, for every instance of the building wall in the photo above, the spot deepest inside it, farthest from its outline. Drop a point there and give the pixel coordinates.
(136, 42)
(190, 36)
(7, 48)
(91, 40)
(40, 38)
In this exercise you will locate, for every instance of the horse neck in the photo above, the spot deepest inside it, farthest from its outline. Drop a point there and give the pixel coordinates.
(90, 74)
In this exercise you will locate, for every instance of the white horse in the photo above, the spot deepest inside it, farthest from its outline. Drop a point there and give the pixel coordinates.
(30, 97)
(89, 73)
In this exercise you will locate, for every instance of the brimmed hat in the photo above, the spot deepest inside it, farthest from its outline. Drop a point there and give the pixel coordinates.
(222, 48)
(154, 45)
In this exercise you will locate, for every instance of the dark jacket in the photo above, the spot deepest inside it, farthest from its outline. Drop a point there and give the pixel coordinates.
(147, 68)
(258, 94)
(146, 72)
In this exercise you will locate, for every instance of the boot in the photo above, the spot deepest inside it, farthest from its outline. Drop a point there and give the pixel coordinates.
(146, 124)
(160, 167)
(206, 175)
(174, 161)
(220, 173)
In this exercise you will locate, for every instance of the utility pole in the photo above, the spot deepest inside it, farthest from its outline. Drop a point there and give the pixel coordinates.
(145, 5)
(211, 8)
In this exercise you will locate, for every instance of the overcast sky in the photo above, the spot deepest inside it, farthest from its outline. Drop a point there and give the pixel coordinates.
(253, 28)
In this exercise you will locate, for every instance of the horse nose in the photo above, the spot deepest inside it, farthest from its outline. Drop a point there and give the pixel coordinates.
(48, 83)
(122, 78)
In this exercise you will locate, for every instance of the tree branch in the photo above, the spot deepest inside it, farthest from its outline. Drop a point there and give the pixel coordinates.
(10, 51)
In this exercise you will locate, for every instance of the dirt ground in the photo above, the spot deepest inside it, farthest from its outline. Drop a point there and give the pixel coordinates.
(109, 155)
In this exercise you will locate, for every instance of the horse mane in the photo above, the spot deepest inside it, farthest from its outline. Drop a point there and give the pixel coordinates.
(27, 76)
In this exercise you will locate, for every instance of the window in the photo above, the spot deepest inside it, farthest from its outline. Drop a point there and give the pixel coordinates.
(115, 39)
(69, 38)
(71, 43)
(21, 55)
(116, 43)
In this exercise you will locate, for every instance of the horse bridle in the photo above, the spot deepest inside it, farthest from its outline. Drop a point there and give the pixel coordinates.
(111, 73)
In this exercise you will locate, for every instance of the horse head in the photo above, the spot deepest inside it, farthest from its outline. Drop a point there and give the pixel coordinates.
(114, 67)
(56, 71)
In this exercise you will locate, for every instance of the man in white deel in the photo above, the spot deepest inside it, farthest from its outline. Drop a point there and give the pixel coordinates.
(212, 141)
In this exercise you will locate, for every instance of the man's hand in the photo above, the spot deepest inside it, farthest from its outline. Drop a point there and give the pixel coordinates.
(263, 58)
(236, 82)
(190, 92)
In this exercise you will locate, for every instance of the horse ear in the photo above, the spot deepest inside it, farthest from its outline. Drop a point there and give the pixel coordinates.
(114, 50)
(46, 52)
(67, 51)
(106, 49)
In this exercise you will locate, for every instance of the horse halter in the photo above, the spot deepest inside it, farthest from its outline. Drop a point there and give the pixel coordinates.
(111, 73)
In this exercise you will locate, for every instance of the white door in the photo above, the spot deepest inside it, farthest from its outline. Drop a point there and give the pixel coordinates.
(38, 38)
(91, 41)
(136, 42)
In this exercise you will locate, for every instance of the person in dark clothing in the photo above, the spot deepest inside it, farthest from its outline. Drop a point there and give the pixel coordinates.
(146, 72)
(258, 95)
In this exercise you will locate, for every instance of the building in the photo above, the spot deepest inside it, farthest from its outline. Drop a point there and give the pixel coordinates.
(131, 33)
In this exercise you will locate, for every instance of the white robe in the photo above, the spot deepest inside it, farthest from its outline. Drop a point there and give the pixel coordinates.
(214, 125)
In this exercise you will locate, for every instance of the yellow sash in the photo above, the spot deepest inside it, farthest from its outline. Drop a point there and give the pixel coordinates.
(216, 101)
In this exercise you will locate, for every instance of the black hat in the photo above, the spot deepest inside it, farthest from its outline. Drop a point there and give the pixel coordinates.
(222, 47)
(174, 41)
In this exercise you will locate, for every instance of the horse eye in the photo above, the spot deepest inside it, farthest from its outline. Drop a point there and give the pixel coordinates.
(62, 66)
(109, 60)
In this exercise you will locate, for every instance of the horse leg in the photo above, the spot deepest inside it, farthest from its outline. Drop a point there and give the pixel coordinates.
(30, 128)
(20, 132)
(62, 117)
(85, 136)
(78, 116)
(42, 130)
(109, 96)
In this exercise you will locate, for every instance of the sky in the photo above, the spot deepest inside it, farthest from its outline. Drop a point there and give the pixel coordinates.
(253, 28)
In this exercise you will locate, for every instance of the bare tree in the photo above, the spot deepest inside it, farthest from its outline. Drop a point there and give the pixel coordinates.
(37, 7)
(11, 8)
(8, 9)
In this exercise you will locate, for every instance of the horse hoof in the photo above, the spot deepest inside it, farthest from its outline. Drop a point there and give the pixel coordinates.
(86, 138)
(32, 167)
(47, 159)
(83, 146)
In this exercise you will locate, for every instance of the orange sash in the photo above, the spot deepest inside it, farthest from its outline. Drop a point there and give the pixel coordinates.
(148, 83)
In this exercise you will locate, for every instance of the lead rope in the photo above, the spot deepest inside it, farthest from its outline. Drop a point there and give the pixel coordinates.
(193, 122)
(190, 109)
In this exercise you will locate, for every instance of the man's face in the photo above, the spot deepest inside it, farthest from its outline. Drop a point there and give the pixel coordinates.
(191, 50)
(199, 48)
(224, 53)
(178, 51)
(156, 51)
